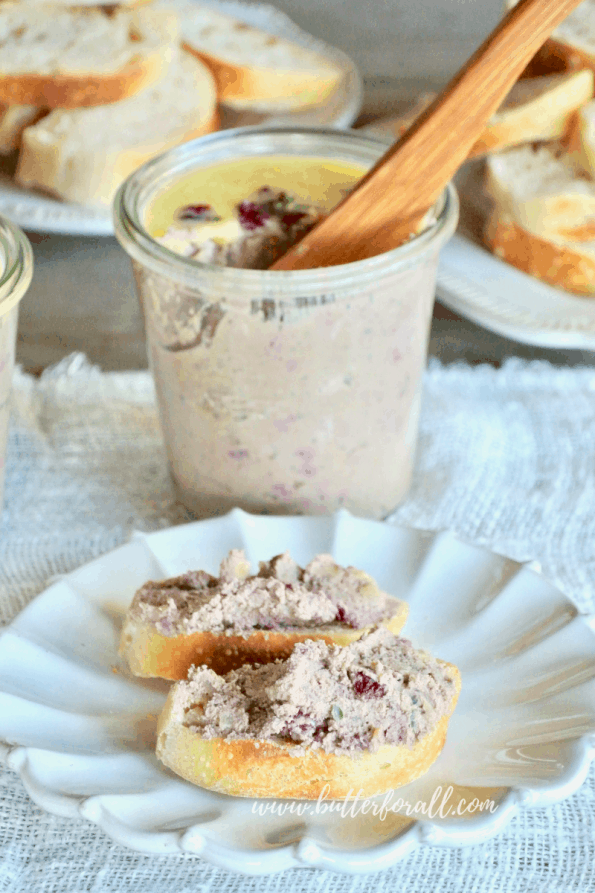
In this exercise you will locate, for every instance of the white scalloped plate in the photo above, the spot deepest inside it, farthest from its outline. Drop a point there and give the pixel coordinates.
(40, 213)
(493, 294)
(80, 730)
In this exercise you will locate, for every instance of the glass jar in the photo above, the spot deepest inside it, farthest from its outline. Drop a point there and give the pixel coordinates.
(284, 391)
(16, 270)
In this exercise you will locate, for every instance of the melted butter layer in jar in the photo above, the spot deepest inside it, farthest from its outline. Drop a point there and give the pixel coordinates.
(320, 181)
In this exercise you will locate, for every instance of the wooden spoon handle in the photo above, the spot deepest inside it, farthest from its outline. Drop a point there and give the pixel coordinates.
(390, 201)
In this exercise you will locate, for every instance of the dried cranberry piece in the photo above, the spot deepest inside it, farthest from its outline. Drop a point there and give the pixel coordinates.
(197, 212)
(251, 215)
(292, 217)
(293, 727)
(320, 731)
(341, 616)
(367, 687)
(302, 725)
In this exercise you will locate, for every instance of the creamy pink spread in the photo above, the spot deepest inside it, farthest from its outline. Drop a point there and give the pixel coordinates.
(282, 595)
(266, 225)
(378, 690)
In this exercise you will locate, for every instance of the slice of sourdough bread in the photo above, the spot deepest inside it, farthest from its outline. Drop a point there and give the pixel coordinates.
(13, 121)
(536, 109)
(254, 69)
(542, 190)
(338, 722)
(57, 57)
(564, 263)
(149, 653)
(84, 154)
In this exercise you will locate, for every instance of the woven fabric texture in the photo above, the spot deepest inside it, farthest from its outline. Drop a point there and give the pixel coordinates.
(506, 458)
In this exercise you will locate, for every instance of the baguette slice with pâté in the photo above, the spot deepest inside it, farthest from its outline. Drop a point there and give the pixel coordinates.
(335, 721)
(227, 621)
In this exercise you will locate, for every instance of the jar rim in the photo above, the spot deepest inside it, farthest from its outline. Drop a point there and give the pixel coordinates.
(173, 163)
(16, 261)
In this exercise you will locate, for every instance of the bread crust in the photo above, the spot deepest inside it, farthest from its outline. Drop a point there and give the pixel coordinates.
(58, 157)
(555, 56)
(250, 768)
(81, 91)
(246, 87)
(547, 117)
(555, 264)
(149, 653)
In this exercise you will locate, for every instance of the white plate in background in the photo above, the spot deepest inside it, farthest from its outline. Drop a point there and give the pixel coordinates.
(478, 285)
(80, 730)
(40, 213)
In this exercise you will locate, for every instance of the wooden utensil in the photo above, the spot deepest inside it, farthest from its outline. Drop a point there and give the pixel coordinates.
(390, 201)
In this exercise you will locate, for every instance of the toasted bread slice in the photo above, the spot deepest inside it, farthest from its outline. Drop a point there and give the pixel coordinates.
(13, 121)
(59, 57)
(536, 109)
(255, 69)
(236, 618)
(150, 653)
(543, 190)
(566, 264)
(83, 155)
(307, 730)
(263, 769)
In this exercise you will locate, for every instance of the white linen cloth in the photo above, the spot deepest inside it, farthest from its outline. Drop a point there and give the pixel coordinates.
(506, 458)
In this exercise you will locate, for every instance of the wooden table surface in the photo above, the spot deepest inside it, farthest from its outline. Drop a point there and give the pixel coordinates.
(82, 297)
